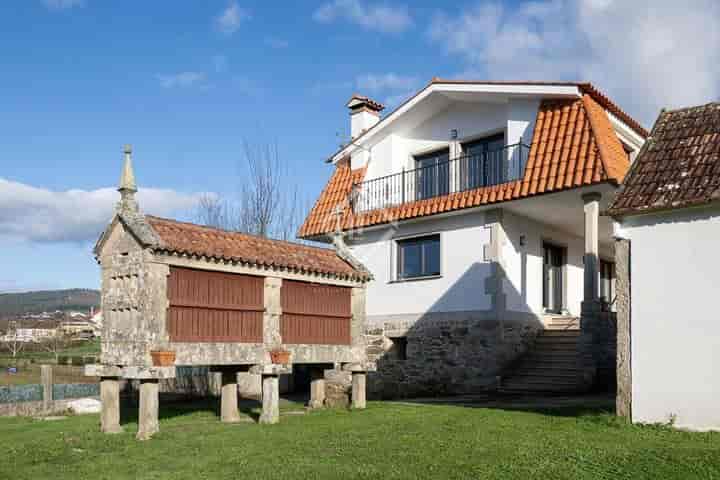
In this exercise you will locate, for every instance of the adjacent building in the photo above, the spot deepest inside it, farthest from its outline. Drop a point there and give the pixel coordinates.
(475, 206)
(668, 211)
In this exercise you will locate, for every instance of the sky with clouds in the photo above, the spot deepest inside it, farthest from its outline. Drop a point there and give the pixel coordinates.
(188, 82)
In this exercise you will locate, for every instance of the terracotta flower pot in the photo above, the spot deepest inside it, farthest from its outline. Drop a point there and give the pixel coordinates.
(163, 358)
(281, 357)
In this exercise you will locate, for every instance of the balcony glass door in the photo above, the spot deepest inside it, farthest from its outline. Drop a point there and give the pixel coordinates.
(553, 265)
(482, 162)
(432, 176)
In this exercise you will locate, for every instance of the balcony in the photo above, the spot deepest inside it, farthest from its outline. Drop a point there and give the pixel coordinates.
(456, 175)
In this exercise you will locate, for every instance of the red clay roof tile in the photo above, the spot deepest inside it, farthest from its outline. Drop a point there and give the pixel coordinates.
(573, 145)
(197, 240)
(679, 166)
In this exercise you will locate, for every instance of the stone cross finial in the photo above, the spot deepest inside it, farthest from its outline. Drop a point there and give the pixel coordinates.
(127, 187)
(127, 179)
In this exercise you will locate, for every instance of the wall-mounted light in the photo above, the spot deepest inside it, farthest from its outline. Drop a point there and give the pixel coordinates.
(454, 134)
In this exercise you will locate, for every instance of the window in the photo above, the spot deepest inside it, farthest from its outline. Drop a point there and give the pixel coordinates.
(432, 174)
(418, 257)
(607, 281)
(482, 161)
(553, 288)
(398, 351)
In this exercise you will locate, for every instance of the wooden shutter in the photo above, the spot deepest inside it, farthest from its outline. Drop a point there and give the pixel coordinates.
(214, 306)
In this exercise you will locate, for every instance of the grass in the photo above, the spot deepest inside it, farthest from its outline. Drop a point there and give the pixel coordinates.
(388, 441)
(31, 374)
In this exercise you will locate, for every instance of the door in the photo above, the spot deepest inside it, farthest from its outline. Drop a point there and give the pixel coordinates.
(432, 174)
(482, 162)
(553, 288)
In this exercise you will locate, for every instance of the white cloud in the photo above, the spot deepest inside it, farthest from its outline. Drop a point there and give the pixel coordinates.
(644, 54)
(396, 87)
(63, 4)
(382, 18)
(29, 213)
(182, 79)
(229, 20)
(386, 81)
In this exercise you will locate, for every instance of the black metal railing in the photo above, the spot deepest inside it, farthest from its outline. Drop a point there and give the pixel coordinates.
(451, 176)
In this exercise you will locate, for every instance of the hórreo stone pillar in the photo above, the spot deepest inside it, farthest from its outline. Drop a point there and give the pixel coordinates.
(148, 424)
(359, 381)
(229, 397)
(317, 388)
(110, 405)
(270, 399)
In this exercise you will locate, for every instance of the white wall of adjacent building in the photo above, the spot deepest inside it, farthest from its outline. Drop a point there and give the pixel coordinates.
(675, 324)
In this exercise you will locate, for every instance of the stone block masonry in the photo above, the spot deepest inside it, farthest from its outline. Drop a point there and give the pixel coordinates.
(445, 353)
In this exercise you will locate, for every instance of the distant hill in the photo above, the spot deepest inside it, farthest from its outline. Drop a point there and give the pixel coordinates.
(80, 299)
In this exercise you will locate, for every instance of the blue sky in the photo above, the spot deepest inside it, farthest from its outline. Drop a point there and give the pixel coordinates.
(187, 82)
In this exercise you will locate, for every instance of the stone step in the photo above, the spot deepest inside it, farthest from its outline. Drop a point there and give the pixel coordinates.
(570, 375)
(549, 348)
(559, 334)
(544, 339)
(563, 382)
(545, 388)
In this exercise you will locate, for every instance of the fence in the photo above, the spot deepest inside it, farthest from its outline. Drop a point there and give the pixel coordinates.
(45, 397)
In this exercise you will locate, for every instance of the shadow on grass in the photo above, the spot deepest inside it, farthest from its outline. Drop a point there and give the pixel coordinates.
(557, 406)
(174, 406)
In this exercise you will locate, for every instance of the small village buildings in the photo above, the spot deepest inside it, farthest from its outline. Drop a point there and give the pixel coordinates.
(668, 264)
(475, 205)
(176, 293)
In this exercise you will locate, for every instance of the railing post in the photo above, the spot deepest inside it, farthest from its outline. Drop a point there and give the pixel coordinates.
(403, 184)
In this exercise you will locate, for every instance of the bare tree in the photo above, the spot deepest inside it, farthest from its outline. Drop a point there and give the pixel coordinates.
(212, 211)
(55, 343)
(269, 201)
(13, 342)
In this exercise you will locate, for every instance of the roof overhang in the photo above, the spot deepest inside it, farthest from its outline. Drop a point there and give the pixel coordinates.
(461, 91)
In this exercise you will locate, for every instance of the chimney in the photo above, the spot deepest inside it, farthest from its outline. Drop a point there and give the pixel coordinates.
(364, 113)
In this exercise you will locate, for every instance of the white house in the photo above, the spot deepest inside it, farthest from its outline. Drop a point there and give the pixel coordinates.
(475, 206)
(669, 327)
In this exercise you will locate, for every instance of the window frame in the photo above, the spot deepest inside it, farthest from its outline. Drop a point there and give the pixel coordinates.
(397, 261)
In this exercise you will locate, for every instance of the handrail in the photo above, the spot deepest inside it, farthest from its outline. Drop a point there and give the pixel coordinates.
(454, 175)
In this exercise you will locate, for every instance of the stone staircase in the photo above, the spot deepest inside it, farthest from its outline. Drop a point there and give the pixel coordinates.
(552, 365)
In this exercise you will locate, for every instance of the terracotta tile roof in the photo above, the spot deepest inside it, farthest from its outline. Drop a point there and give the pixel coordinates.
(573, 145)
(196, 240)
(679, 166)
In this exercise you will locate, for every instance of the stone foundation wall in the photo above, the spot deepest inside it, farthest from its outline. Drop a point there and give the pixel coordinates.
(599, 346)
(445, 354)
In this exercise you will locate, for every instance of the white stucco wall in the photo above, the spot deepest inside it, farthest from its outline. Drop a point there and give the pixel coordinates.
(395, 149)
(675, 324)
(461, 286)
(524, 264)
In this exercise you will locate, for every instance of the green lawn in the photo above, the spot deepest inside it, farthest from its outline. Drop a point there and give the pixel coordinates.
(385, 441)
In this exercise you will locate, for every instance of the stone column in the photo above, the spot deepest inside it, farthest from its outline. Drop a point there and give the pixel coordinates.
(148, 424)
(270, 399)
(273, 311)
(229, 402)
(358, 390)
(110, 408)
(317, 388)
(591, 258)
(623, 404)
(46, 377)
